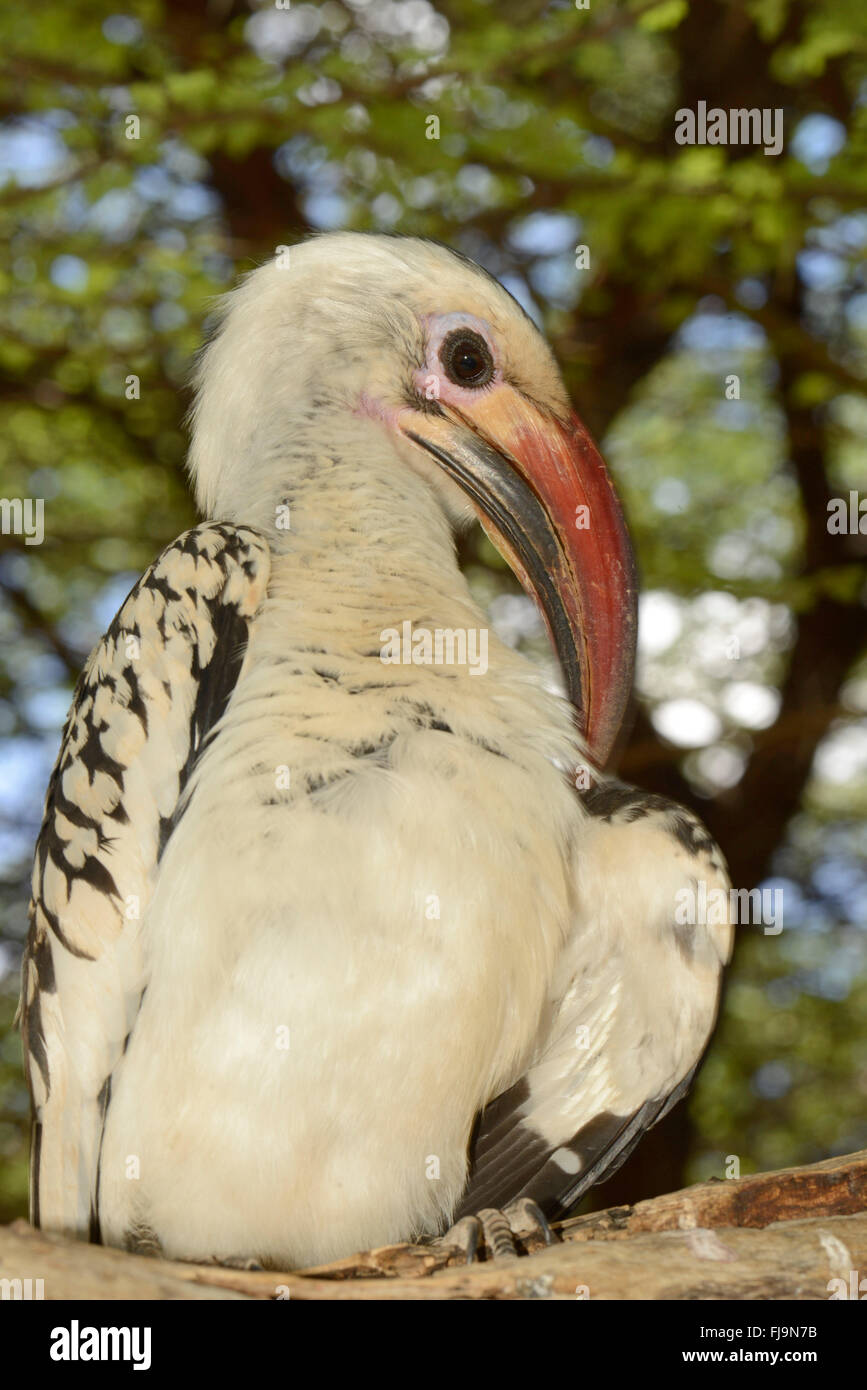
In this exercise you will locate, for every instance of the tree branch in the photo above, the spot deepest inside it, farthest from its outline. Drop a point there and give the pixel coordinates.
(781, 1235)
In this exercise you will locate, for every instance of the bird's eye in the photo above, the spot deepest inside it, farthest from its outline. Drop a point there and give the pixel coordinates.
(466, 358)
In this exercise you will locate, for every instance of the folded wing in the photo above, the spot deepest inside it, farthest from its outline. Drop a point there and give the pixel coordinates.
(630, 1014)
(152, 692)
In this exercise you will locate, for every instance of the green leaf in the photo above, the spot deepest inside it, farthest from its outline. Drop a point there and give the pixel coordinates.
(667, 15)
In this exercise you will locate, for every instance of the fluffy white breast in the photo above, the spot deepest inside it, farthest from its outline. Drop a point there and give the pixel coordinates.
(393, 915)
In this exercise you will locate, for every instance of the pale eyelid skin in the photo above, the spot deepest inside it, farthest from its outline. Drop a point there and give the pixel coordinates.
(437, 327)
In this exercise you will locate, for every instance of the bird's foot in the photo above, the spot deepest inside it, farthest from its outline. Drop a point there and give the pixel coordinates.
(231, 1262)
(491, 1234)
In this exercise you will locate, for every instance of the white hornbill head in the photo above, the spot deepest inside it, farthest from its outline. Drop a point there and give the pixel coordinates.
(373, 341)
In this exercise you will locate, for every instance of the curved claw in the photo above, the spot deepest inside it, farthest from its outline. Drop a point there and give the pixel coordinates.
(495, 1235)
(465, 1235)
(527, 1218)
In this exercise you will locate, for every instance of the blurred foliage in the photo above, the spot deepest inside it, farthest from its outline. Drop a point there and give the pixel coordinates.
(152, 152)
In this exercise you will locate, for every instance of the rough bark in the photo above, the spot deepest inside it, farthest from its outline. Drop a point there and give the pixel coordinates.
(781, 1235)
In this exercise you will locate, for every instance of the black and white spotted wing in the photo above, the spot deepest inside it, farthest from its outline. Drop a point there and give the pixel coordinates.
(629, 1015)
(149, 695)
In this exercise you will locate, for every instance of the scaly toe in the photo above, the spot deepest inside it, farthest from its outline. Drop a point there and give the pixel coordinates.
(465, 1235)
(499, 1241)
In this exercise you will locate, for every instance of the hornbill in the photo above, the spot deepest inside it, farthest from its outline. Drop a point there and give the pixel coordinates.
(330, 949)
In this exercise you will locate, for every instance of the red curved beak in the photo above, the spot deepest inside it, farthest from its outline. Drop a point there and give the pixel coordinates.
(544, 496)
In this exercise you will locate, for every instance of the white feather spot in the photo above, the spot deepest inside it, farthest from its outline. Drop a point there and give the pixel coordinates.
(568, 1160)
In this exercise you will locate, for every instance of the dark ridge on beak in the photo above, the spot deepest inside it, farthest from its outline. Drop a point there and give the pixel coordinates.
(503, 495)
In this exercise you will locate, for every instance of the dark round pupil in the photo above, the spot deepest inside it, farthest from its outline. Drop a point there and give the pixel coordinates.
(467, 359)
(468, 362)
